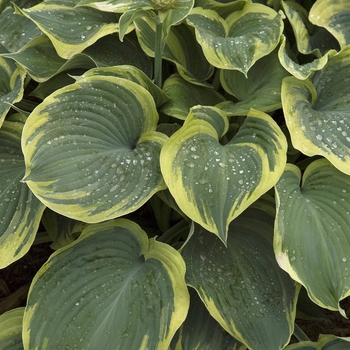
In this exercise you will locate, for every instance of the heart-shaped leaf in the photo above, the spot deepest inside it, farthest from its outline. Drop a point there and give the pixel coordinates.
(113, 288)
(212, 183)
(20, 210)
(261, 89)
(317, 111)
(91, 149)
(71, 29)
(241, 285)
(241, 39)
(312, 229)
(334, 15)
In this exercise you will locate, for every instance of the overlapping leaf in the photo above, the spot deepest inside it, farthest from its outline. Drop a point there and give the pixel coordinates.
(184, 95)
(334, 15)
(241, 284)
(206, 334)
(261, 89)
(11, 85)
(324, 342)
(309, 38)
(213, 184)
(317, 111)
(91, 149)
(300, 70)
(16, 31)
(241, 39)
(312, 230)
(70, 29)
(181, 48)
(20, 210)
(134, 74)
(112, 289)
(11, 329)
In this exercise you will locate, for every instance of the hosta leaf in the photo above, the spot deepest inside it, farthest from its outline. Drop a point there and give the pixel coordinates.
(91, 149)
(334, 15)
(181, 48)
(71, 29)
(184, 95)
(111, 289)
(240, 40)
(241, 284)
(224, 9)
(325, 342)
(134, 74)
(16, 31)
(309, 38)
(118, 6)
(59, 228)
(11, 329)
(213, 184)
(110, 51)
(20, 210)
(312, 229)
(39, 58)
(11, 85)
(317, 111)
(206, 334)
(56, 82)
(300, 71)
(260, 90)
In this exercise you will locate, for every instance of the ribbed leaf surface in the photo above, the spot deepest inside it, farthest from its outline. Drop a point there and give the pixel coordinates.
(91, 149)
(241, 285)
(111, 289)
(312, 240)
(317, 111)
(213, 184)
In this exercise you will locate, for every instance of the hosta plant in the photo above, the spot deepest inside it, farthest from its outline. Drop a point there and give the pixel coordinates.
(189, 161)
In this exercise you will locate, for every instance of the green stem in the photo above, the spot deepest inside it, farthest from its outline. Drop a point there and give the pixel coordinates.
(158, 52)
(299, 334)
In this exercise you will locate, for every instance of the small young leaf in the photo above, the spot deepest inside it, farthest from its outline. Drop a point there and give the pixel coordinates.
(240, 40)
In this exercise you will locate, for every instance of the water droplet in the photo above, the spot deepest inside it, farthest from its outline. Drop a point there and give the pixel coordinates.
(319, 137)
(344, 259)
(190, 164)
